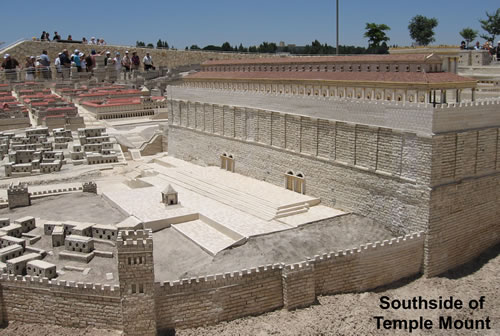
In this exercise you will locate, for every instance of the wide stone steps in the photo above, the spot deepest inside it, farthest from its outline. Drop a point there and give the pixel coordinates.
(204, 235)
(236, 199)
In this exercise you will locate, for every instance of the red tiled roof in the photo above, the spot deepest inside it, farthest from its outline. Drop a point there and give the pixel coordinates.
(396, 77)
(325, 59)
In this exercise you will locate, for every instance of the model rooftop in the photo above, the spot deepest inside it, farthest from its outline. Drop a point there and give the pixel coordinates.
(408, 58)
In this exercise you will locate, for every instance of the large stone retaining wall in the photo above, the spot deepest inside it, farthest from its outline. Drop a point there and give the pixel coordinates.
(465, 199)
(34, 300)
(161, 57)
(444, 182)
(376, 172)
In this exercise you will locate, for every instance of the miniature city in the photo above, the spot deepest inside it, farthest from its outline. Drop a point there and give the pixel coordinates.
(254, 184)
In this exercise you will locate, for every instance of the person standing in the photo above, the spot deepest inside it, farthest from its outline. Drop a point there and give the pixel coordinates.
(148, 62)
(83, 62)
(117, 62)
(136, 62)
(498, 51)
(45, 64)
(126, 63)
(77, 61)
(10, 65)
(57, 64)
(29, 67)
(107, 58)
(57, 37)
(90, 60)
(65, 63)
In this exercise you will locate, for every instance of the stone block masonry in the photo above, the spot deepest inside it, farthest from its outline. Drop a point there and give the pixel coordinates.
(387, 180)
(408, 181)
(34, 300)
(139, 306)
(207, 300)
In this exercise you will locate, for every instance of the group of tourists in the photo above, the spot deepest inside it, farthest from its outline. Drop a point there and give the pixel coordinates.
(39, 67)
(488, 46)
(93, 41)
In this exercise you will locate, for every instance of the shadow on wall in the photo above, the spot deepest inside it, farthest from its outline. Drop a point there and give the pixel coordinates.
(472, 266)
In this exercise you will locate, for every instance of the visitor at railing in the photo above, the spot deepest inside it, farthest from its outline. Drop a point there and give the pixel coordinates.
(10, 65)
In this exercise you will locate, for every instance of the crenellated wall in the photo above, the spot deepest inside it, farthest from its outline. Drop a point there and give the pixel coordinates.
(207, 300)
(69, 304)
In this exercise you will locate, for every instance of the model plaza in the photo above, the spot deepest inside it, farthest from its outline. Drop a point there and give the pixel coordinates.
(252, 185)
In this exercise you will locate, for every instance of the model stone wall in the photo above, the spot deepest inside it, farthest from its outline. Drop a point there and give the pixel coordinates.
(208, 300)
(185, 304)
(376, 172)
(33, 300)
(169, 58)
(465, 200)
(464, 221)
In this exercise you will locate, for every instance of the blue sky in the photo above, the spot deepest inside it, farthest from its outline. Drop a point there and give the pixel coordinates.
(186, 22)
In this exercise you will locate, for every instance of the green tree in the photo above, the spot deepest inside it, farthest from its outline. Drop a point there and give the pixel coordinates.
(140, 44)
(422, 29)
(226, 47)
(266, 47)
(194, 47)
(491, 25)
(150, 45)
(241, 48)
(375, 33)
(252, 49)
(469, 35)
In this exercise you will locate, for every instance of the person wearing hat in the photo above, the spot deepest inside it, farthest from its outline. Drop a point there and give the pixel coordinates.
(57, 64)
(126, 63)
(65, 63)
(10, 64)
(76, 59)
(93, 41)
(117, 62)
(29, 67)
(83, 62)
(107, 58)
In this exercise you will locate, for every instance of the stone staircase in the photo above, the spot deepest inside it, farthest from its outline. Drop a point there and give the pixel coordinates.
(208, 237)
(235, 198)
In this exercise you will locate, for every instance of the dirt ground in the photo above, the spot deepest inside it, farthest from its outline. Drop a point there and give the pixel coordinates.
(176, 257)
(19, 329)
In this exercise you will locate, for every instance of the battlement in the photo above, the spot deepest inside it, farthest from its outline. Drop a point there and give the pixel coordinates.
(70, 286)
(417, 117)
(215, 280)
(90, 187)
(137, 238)
(19, 188)
(369, 247)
